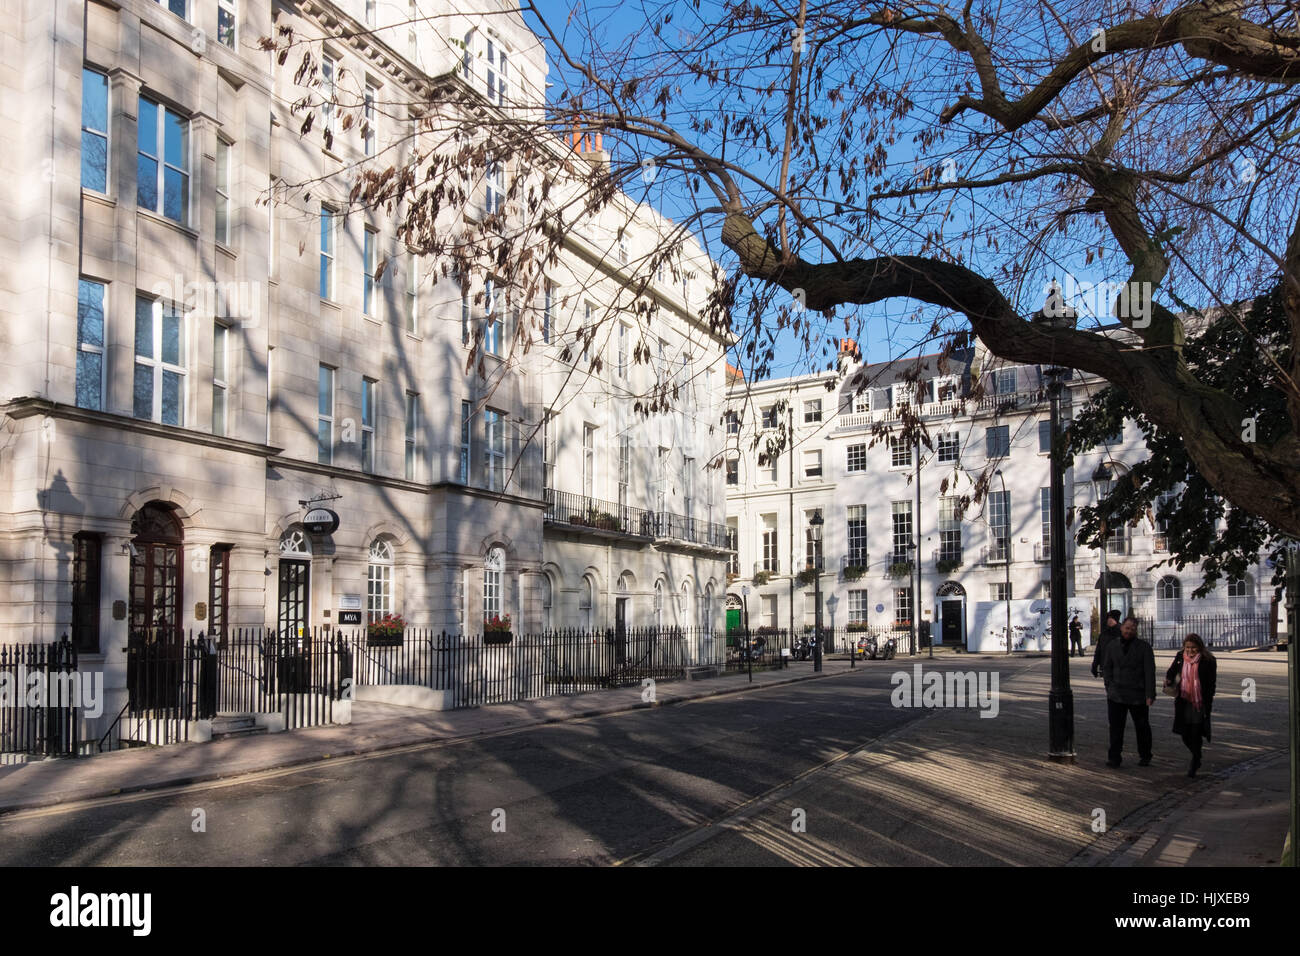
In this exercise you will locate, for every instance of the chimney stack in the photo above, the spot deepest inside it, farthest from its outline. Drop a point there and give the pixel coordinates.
(589, 144)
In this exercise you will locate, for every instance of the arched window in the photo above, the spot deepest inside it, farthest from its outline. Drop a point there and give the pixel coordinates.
(1169, 599)
(706, 610)
(587, 603)
(1241, 593)
(548, 601)
(294, 543)
(493, 566)
(685, 617)
(659, 604)
(379, 580)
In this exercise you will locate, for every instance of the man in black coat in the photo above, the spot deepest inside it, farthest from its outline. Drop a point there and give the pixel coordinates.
(1076, 636)
(1129, 669)
(1109, 632)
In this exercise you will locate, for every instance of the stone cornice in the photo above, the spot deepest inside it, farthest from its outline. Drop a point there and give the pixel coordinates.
(21, 408)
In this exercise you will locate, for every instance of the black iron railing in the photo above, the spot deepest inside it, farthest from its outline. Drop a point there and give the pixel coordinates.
(39, 699)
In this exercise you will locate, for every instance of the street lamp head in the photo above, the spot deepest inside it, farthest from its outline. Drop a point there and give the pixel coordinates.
(1056, 313)
(1101, 479)
(815, 523)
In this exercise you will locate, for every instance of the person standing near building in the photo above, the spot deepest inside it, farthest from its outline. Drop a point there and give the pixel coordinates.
(1129, 669)
(1076, 636)
(1192, 677)
(1109, 631)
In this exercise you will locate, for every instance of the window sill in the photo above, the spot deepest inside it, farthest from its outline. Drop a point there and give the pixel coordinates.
(94, 195)
(332, 304)
(164, 221)
(373, 320)
(227, 250)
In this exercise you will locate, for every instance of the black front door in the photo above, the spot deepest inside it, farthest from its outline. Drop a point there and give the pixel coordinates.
(952, 623)
(295, 580)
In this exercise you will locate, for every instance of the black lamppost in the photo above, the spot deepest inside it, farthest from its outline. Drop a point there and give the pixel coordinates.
(1060, 699)
(815, 524)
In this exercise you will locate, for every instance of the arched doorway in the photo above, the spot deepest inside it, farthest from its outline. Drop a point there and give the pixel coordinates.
(154, 641)
(951, 599)
(1119, 593)
(157, 576)
(623, 604)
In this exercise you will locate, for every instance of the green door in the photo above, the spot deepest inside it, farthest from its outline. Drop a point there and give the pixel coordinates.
(733, 622)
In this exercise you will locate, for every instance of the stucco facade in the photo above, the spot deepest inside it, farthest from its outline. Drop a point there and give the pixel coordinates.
(983, 418)
(216, 365)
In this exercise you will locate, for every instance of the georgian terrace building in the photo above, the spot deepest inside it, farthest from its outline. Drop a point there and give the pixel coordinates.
(186, 370)
(891, 503)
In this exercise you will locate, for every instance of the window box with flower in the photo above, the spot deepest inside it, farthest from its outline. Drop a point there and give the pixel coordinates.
(496, 629)
(386, 631)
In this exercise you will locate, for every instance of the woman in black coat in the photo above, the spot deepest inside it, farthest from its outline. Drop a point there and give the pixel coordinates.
(1193, 673)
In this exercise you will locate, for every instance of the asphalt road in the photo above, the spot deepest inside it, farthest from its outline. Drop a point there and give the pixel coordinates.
(715, 781)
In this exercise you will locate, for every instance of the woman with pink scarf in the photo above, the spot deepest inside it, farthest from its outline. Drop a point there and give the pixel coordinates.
(1192, 676)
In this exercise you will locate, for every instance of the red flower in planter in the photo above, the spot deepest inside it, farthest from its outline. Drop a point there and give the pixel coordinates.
(497, 623)
(388, 627)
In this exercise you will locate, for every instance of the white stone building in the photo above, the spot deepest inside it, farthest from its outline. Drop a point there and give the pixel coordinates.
(877, 503)
(185, 369)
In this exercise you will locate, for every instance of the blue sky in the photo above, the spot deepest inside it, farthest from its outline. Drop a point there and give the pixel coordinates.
(879, 338)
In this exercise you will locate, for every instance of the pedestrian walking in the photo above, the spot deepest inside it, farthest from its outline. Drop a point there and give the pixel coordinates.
(1076, 636)
(1129, 670)
(1190, 680)
(1109, 632)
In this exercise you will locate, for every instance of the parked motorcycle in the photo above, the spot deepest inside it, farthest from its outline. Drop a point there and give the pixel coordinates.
(755, 650)
(801, 649)
(878, 648)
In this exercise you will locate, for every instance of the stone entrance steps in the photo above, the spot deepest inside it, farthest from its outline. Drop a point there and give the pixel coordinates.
(226, 726)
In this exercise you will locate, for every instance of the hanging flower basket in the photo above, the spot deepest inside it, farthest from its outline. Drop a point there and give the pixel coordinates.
(806, 577)
(762, 577)
(853, 572)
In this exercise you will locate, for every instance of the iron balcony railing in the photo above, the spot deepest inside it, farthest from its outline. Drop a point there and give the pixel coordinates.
(996, 553)
(855, 559)
(951, 556)
(772, 566)
(583, 511)
(593, 514)
(690, 529)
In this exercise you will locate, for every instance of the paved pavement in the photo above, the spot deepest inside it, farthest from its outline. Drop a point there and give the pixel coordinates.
(979, 786)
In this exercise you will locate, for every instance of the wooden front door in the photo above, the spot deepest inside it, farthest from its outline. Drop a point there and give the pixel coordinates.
(157, 577)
